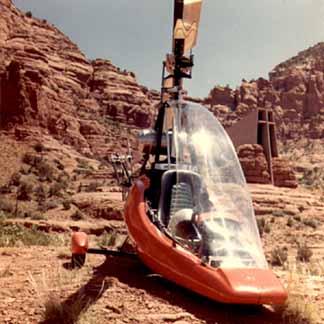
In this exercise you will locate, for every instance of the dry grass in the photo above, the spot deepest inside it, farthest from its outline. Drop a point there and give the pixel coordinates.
(300, 307)
(67, 295)
(6, 272)
(63, 297)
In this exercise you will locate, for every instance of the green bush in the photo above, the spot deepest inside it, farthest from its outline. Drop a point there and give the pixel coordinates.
(290, 222)
(29, 159)
(279, 256)
(40, 193)
(38, 216)
(25, 169)
(15, 179)
(5, 189)
(59, 164)
(6, 206)
(63, 178)
(16, 235)
(304, 253)
(278, 213)
(297, 218)
(47, 205)
(45, 171)
(56, 189)
(25, 191)
(310, 222)
(78, 215)
(83, 164)
(39, 147)
(67, 204)
(108, 239)
(92, 187)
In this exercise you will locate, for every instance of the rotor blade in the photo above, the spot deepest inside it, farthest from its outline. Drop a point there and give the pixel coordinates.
(186, 23)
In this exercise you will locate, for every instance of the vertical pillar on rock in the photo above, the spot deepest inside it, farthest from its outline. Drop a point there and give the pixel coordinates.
(266, 136)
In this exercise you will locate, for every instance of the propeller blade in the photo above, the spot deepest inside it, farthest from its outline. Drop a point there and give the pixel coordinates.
(186, 22)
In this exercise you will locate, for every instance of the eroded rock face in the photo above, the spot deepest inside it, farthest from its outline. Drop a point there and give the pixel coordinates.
(283, 173)
(300, 83)
(48, 84)
(254, 163)
(120, 96)
(295, 92)
(49, 87)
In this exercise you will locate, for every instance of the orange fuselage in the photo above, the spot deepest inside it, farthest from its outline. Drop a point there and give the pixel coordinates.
(162, 255)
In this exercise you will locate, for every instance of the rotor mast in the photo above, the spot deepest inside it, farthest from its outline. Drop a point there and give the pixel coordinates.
(178, 44)
(177, 65)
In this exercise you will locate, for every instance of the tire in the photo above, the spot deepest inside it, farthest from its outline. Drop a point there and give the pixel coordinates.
(78, 261)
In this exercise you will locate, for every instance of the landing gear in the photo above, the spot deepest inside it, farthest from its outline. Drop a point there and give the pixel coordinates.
(78, 260)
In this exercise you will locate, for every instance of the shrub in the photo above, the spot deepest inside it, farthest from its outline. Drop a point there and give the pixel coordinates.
(297, 309)
(45, 171)
(28, 159)
(49, 205)
(297, 218)
(38, 216)
(83, 164)
(55, 189)
(39, 147)
(310, 222)
(40, 193)
(290, 222)
(59, 165)
(5, 189)
(6, 206)
(15, 179)
(29, 14)
(25, 191)
(304, 253)
(108, 239)
(279, 256)
(24, 214)
(67, 204)
(92, 187)
(63, 178)
(301, 208)
(24, 170)
(278, 213)
(13, 235)
(78, 215)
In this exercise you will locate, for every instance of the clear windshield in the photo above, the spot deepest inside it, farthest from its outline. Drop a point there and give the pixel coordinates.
(212, 193)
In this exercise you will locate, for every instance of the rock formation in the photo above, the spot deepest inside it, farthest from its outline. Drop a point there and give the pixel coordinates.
(295, 92)
(253, 163)
(47, 86)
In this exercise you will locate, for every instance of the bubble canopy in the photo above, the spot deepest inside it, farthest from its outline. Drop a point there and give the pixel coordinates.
(211, 192)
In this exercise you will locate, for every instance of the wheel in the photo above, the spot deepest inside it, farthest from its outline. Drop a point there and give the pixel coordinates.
(78, 260)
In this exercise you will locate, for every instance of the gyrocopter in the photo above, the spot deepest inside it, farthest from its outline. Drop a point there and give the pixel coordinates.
(190, 213)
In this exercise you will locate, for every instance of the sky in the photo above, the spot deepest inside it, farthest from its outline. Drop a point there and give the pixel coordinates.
(237, 39)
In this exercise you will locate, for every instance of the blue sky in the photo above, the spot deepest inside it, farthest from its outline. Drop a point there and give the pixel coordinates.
(238, 39)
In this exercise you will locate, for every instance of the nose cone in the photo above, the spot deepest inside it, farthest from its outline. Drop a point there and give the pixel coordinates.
(79, 243)
(254, 286)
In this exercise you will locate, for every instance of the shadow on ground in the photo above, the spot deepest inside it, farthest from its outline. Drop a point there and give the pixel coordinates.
(133, 273)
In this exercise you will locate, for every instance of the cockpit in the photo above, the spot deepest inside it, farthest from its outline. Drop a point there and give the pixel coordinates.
(200, 197)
